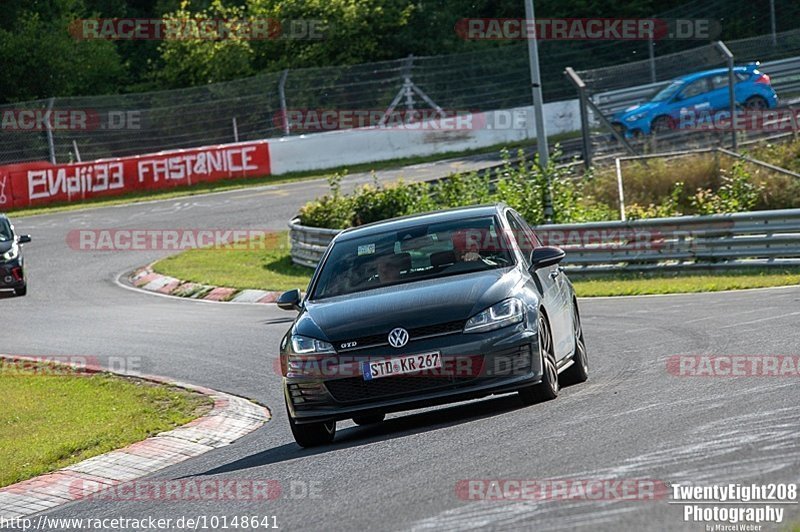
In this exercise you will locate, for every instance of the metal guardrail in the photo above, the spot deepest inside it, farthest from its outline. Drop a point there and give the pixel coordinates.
(762, 238)
(784, 75)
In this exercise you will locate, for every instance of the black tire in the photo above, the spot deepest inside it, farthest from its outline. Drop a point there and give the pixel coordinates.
(547, 389)
(312, 434)
(579, 370)
(661, 124)
(755, 103)
(370, 419)
(21, 291)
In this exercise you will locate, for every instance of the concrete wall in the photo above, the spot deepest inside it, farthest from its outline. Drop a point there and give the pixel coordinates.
(331, 149)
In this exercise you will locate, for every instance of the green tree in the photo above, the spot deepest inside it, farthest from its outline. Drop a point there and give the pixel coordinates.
(41, 59)
(188, 61)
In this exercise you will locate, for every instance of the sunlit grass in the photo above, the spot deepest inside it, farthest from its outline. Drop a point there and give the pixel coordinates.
(51, 419)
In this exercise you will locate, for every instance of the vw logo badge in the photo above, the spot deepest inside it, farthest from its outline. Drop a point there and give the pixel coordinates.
(398, 337)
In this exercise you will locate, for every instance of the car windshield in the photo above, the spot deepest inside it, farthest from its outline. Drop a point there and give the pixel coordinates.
(421, 252)
(5, 231)
(668, 92)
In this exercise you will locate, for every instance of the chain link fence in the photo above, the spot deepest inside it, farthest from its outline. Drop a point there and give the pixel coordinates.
(488, 79)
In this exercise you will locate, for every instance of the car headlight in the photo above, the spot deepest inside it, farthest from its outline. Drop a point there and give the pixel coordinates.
(503, 314)
(12, 253)
(303, 345)
(634, 118)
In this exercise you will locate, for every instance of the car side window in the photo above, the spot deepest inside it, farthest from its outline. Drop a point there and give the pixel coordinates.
(523, 234)
(695, 88)
(720, 81)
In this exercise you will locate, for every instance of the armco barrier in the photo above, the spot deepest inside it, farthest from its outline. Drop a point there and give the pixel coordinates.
(762, 238)
(40, 183)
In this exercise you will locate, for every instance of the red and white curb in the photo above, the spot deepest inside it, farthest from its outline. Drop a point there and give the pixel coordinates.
(146, 279)
(229, 419)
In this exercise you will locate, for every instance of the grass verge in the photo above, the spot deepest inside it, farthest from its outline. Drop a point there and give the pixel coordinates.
(631, 284)
(53, 416)
(271, 268)
(268, 266)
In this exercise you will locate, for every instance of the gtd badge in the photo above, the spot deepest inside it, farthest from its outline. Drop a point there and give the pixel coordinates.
(398, 337)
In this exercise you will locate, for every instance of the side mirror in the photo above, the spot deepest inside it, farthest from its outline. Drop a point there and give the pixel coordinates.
(546, 256)
(24, 239)
(290, 300)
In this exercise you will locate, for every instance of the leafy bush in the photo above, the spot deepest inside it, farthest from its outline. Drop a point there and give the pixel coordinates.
(372, 203)
(736, 194)
(706, 186)
(333, 210)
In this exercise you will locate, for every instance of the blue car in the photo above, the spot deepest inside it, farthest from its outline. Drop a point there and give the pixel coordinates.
(693, 98)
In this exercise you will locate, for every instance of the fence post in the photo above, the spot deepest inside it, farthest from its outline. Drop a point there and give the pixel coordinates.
(793, 114)
(282, 96)
(772, 22)
(585, 138)
(407, 83)
(620, 190)
(651, 52)
(50, 142)
(726, 53)
(235, 130)
(77, 153)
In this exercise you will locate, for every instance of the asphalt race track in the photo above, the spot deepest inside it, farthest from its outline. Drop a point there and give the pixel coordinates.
(632, 419)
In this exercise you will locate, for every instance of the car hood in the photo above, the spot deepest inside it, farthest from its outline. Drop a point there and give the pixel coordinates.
(410, 305)
(636, 109)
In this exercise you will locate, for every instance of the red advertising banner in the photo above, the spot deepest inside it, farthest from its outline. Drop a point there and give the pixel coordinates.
(40, 183)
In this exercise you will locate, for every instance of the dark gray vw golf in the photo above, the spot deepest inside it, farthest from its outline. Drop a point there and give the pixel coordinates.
(424, 310)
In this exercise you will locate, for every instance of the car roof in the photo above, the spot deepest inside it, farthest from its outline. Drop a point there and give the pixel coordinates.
(412, 220)
(697, 75)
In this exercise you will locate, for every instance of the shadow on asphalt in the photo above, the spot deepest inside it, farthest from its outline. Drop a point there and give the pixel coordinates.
(386, 430)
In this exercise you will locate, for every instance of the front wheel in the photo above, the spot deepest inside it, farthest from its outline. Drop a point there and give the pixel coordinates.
(312, 434)
(547, 389)
(662, 124)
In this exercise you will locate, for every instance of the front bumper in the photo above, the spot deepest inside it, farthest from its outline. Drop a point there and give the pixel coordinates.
(474, 365)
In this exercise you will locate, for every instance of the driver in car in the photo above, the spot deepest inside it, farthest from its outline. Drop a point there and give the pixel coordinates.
(467, 245)
(389, 268)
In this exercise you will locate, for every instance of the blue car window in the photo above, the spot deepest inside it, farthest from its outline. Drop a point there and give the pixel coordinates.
(719, 81)
(695, 88)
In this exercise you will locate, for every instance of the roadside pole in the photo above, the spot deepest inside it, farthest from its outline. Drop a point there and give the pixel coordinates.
(536, 90)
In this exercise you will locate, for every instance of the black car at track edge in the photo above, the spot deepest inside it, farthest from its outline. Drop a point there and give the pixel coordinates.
(424, 310)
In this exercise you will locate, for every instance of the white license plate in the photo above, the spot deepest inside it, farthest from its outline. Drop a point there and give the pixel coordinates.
(400, 365)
